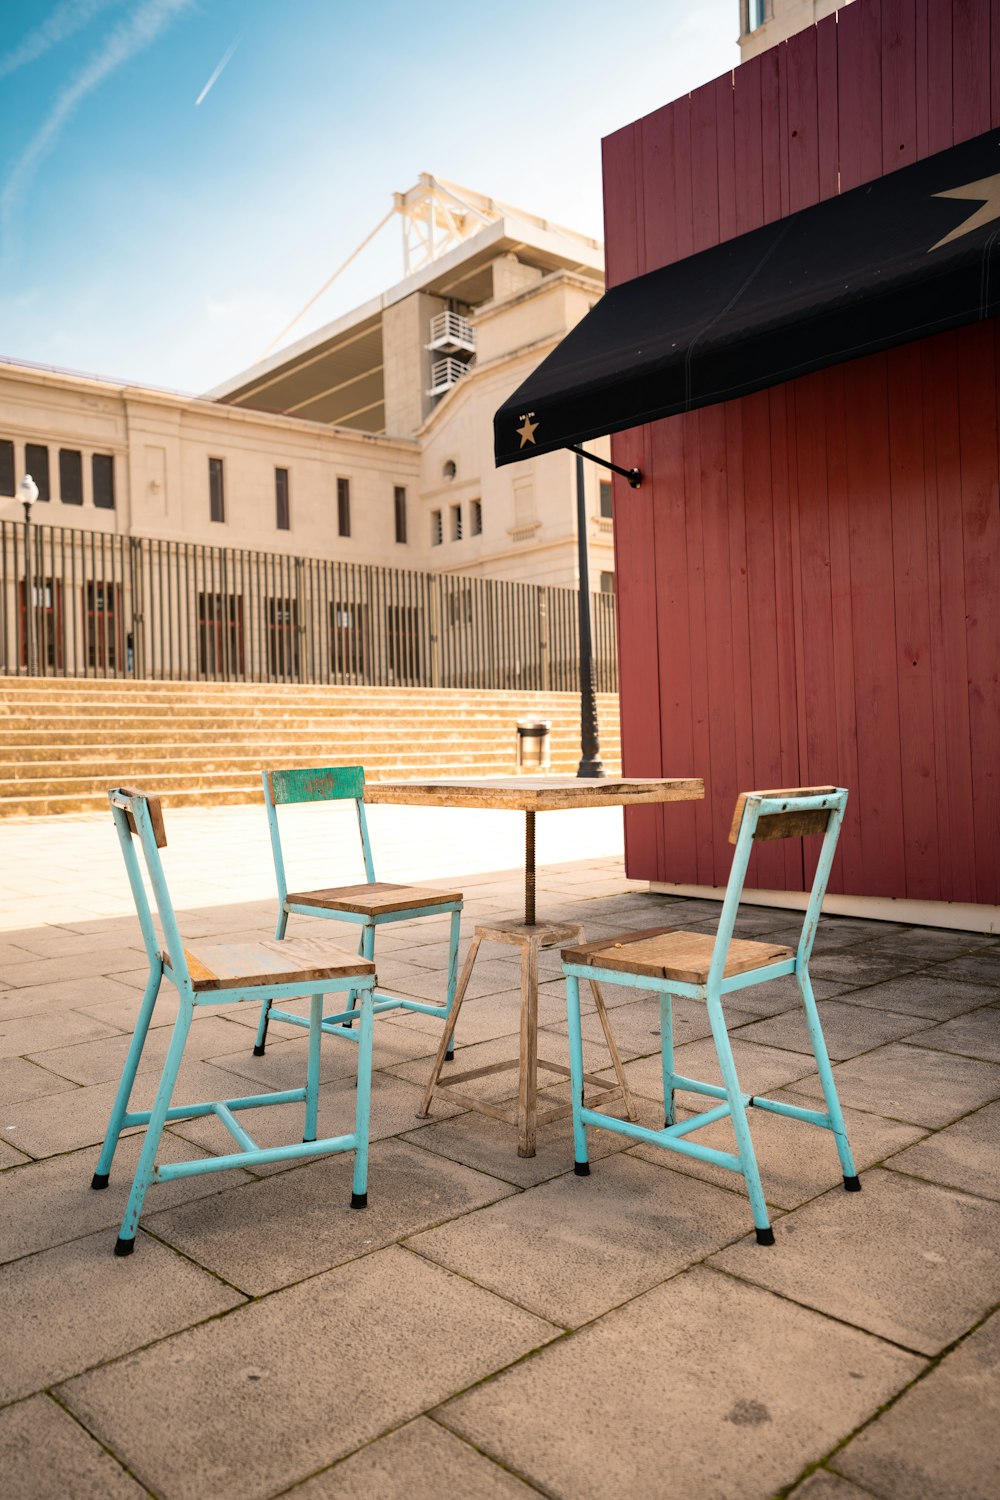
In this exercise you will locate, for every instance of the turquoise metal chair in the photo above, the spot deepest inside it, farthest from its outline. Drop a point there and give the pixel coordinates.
(226, 974)
(368, 906)
(705, 968)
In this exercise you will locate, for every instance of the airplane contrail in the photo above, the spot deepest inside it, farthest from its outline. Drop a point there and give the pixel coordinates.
(215, 76)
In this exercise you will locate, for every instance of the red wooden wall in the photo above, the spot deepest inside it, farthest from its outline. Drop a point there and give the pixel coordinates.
(809, 577)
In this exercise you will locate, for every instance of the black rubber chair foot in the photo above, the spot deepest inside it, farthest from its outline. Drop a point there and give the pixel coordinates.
(581, 1168)
(99, 1180)
(852, 1184)
(765, 1236)
(450, 1055)
(124, 1247)
(258, 1051)
(359, 1200)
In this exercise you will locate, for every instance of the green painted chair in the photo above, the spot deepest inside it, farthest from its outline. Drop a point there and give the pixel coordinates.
(696, 965)
(226, 974)
(369, 905)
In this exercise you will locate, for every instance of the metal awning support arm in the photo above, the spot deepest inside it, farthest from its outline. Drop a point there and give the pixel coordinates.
(634, 476)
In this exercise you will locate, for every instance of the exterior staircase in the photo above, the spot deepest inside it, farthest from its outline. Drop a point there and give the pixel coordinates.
(64, 742)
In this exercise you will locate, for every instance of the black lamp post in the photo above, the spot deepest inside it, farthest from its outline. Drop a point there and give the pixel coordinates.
(590, 761)
(27, 493)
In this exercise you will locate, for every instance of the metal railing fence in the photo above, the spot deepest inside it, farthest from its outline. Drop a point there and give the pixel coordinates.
(79, 603)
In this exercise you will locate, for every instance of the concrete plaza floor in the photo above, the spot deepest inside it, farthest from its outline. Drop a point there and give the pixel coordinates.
(490, 1326)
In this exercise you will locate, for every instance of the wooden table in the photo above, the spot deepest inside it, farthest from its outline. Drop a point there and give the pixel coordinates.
(530, 795)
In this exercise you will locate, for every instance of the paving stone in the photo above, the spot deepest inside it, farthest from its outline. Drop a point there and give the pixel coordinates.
(824, 1485)
(797, 1161)
(551, 1046)
(927, 994)
(237, 1420)
(283, 1065)
(123, 1010)
(976, 1034)
(884, 1259)
(49, 1202)
(286, 1227)
(420, 1461)
(981, 967)
(103, 1060)
(11, 1158)
(911, 1083)
(44, 1453)
(760, 1069)
(496, 1015)
(40, 1000)
(58, 942)
(574, 1247)
(20, 1079)
(861, 966)
(115, 1305)
(39, 971)
(942, 1437)
(695, 1388)
(932, 944)
(491, 1146)
(52, 1028)
(79, 1117)
(636, 1025)
(965, 1155)
(848, 1029)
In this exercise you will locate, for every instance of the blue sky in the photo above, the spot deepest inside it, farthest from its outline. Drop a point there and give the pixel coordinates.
(146, 236)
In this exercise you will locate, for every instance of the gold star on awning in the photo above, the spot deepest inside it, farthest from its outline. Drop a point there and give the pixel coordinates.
(987, 192)
(526, 432)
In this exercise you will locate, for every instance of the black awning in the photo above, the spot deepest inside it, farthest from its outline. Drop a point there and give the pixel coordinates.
(905, 256)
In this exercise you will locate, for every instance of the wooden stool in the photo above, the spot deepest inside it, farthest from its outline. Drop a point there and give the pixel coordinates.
(522, 1110)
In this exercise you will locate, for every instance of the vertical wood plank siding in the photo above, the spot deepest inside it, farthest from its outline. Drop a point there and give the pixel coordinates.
(808, 576)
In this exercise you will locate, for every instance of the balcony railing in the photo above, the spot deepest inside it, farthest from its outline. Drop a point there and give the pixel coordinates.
(444, 374)
(450, 333)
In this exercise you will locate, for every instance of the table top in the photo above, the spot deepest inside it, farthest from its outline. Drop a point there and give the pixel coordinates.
(537, 793)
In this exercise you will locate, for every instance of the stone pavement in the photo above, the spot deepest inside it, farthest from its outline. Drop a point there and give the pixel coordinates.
(491, 1326)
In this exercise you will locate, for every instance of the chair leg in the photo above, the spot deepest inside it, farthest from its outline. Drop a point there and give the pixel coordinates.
(100, 1177)
(667, 1052)
(748, 1160)
(154, 1129)
(456, 923)
(261, 1042)
(446, 1035)
(279, 931)
(852, 1182)
(362, 1104)
(312, 1065)
(581, 1161)
(616, 1061)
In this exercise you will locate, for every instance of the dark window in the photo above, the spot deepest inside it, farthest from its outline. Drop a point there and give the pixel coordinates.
(36, 463)
(70, 476)
(344, 507)
(456, 523)
(282, 638)
(6, 466)
(347, 639)
(476, 518)
(220, 635)
(216, 490)
(400, 502)
(437, 532)
(103, 626)
(282, 520)
(47, 629)
(607, 583)
(606, 506)
(102, 470)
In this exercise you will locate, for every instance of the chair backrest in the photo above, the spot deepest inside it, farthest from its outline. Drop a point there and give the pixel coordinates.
(792, 812)
(314, 784)
(139, 817)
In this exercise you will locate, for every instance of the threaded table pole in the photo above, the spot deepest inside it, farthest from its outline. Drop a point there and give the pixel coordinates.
(529, 869)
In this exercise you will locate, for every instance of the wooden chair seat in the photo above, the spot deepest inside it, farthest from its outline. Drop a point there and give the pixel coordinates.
(372, 899)
(229, 966)
(665, 953)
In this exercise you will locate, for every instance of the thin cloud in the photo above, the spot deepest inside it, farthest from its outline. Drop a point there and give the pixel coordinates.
(130, 37)
(69, 17)
(215, 76)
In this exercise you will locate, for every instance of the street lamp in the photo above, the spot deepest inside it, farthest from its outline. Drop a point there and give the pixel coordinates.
(590, 761)
(27, 493)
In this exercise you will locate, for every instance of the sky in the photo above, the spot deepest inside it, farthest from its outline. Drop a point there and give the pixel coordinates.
(179, 177)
